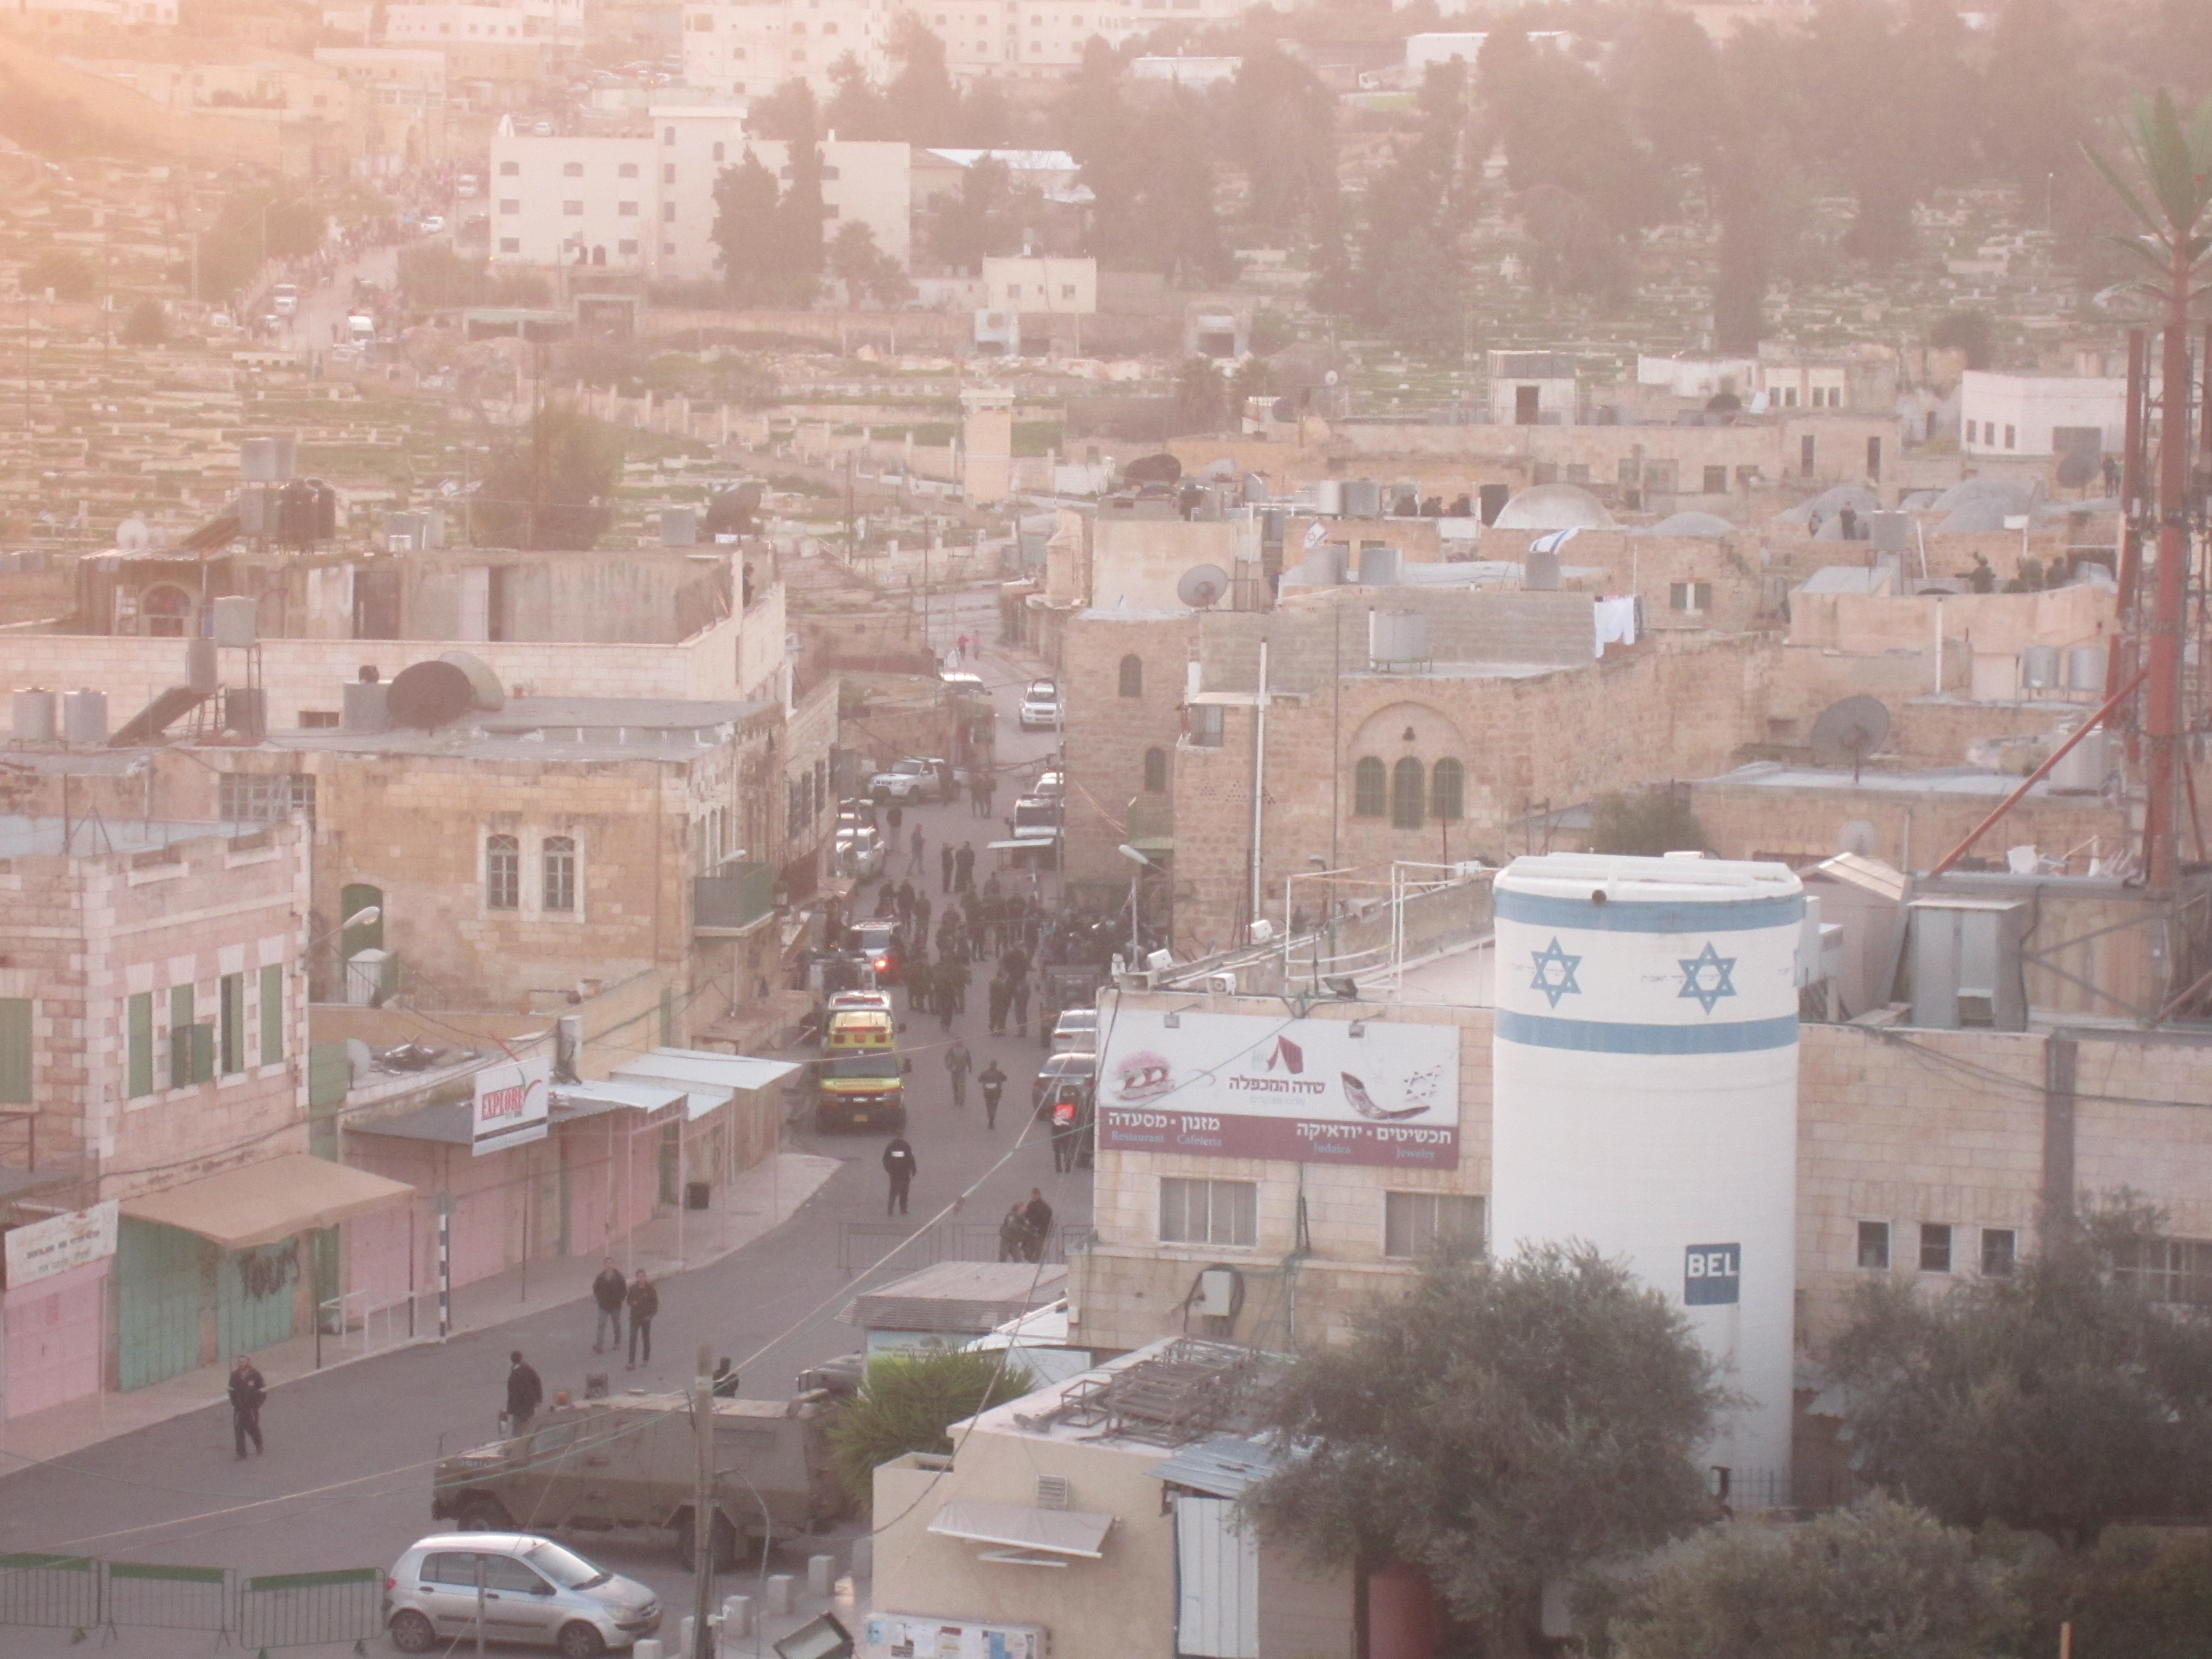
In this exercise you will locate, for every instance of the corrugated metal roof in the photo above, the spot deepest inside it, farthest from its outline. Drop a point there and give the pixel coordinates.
(974, 1296)
(1221, 1468)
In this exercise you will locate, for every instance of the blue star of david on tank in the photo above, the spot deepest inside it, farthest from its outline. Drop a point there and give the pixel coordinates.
(1555, 973)
(1708, 977)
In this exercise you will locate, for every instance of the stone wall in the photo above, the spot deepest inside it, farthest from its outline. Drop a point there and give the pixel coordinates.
(307, 674)
(1529, 742)
(1108, 735)
(1955, 1129)
(1909, 828)
(84, 935)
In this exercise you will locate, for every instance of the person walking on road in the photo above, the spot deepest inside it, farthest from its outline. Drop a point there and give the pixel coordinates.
(915, 864)
(1014, 1235)
(1021, 1000)
(945, 867)
(992, 1080)
(957, 1061)
(644, 1304)
(899, 1164)
(608, 1290)
(963, 866)
(524, 1392)
(248, 1389)
(1001, 997)
(1038, 1214)
(1066, 1135)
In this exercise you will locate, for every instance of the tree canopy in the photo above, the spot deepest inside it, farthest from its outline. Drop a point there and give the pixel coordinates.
(2059, 1399)
(910, 1403)
(1882, 1581)
(1500, 1425)
(548, 488)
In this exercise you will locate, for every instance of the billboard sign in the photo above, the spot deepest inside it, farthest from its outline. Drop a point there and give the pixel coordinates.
(41, 1249)
(513, 1104)
(1257, 1085)
(1712, 1275)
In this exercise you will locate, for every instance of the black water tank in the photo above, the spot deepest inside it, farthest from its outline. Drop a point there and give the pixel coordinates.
(427, 694)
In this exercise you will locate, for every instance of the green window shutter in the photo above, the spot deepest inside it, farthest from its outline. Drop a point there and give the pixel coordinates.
(180, 1036)
(231, 1011)
(202, 1039)
(139, 1024)
(272, 1014)
(14, 1051)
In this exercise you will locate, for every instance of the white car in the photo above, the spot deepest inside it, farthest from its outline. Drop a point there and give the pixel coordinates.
(1041, 707)
(530, 1589)
(434, 224)
(908, 781)
(859, 852)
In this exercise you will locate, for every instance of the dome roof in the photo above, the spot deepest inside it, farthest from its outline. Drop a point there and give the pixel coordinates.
(1692, 523)
(1555, 507)
(2014, 497)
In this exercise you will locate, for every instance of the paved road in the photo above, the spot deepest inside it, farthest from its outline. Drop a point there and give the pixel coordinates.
(345, 1481)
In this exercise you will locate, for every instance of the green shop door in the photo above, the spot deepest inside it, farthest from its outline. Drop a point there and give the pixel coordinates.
(256, 1299)
(165, 1289)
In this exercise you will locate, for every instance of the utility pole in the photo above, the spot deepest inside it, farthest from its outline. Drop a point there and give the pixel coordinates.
(2164, 720)
(703, 1507)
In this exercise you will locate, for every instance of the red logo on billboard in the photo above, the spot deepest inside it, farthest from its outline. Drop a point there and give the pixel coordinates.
(1289, 1054)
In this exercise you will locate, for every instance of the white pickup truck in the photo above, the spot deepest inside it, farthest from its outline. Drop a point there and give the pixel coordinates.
(909, 781)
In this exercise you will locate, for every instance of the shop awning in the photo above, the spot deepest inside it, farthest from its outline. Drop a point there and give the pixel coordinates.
(1080, 1533)
(710, 1079)
(263, 1203)
(590, 1099)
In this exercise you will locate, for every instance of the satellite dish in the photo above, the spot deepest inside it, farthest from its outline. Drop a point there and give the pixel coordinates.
(733, 511)
(1850, 731)
(1152, 469)
(1202, 584)
(1283, 409)
(131, 536)
(428, 695)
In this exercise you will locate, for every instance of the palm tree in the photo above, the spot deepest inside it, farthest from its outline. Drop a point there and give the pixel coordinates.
(2166, 187)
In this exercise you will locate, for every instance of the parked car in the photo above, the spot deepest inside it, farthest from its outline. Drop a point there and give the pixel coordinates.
(859, 852)
(284, 298)
(1076, 1030)
(529, 1588)
(1071, 1065)
(876, 945)
(908, 781)
(1051, 785)
(1041, 707)
(1036, 818)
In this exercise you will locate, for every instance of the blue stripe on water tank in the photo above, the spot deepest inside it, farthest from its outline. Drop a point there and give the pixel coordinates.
(1636, 916)
(1604, 1037)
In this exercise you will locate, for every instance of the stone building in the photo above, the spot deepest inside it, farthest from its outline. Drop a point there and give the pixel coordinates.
(1926, 1155)
(154, 1059)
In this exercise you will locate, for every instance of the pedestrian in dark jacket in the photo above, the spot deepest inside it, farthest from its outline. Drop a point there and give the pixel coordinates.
(958, 1060)
(993, 1081)
(1038, 1213)
(1021, 994)
(524, 1392)
(248, 1389)
(899, 1164)
(963, 866)
(1002, 995)
(608, 1290)
(944, 868)
(921, 983)
(1014, 1235)
(644, 1304)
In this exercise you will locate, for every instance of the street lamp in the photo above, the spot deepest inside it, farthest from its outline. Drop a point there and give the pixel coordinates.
(1136, 876)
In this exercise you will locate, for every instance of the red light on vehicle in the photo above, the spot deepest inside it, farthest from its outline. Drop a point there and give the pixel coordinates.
(882, 962)
(391, 1584)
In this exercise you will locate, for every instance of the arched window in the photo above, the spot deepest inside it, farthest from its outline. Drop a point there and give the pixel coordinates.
(1448, 791)
(1370, 787)
(1133, 675)
(502, 874)
(1406, 780)
(1155, 770)
(560, 872)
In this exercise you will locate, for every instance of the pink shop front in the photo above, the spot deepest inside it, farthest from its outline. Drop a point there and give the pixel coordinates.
(611, 1157)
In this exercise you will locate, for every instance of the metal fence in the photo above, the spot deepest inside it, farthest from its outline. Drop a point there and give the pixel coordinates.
(906, 1248)
(81, 1593)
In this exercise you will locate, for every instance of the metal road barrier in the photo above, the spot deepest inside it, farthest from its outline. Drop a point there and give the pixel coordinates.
(81, 1593)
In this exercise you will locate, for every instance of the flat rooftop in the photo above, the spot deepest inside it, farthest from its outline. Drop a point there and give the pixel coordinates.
(95, 835)
(1933, 780)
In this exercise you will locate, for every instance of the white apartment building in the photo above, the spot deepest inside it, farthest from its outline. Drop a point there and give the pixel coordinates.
(1035, 37)
(1066, 286)
(2040, 414)
(62, 15)
(745, 49)
(647, 203)
(454, 22)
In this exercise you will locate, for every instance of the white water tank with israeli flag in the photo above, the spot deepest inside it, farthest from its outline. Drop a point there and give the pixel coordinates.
(1645, 1090)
